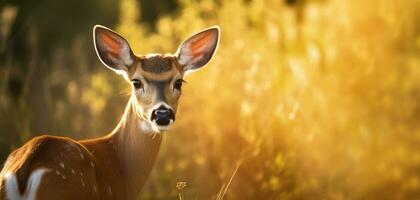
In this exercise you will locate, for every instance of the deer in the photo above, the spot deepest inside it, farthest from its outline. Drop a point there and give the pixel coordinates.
(117, 165)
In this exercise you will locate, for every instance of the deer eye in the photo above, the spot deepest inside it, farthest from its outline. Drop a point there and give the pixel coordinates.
(137, 83)
(178, 84)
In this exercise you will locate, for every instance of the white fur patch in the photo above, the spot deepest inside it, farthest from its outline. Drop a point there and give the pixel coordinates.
(12, 187)
(83, 182)
(126, 56)
(62, 165)
(146, 127)
(185, 57)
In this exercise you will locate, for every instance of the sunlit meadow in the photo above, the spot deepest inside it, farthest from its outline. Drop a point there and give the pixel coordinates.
(315, 99)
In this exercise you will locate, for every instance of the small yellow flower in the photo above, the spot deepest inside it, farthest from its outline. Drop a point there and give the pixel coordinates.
(181, 185)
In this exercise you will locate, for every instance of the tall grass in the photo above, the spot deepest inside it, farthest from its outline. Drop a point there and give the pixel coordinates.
(319, 100)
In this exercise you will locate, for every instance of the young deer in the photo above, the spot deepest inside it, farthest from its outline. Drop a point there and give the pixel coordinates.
(117, 165)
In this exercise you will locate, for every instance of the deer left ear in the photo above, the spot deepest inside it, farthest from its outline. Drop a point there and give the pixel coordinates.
(112, 49)
(197, 50)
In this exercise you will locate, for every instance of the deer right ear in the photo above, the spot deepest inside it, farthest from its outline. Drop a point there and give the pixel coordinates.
(197, 50)
(112, 49)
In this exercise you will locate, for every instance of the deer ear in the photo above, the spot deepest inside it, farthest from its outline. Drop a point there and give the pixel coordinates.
(112, 49)
(197, 50)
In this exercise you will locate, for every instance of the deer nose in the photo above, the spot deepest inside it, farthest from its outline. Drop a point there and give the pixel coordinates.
(163, 116)
(163, 113)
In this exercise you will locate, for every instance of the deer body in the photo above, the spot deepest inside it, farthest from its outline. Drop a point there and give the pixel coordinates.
(117, 165)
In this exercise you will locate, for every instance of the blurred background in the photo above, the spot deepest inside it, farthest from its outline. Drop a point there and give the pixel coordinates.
(314, 99)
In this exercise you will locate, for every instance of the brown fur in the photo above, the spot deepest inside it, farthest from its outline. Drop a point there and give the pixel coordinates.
(157, 64)
(49, 152)
(123, 158)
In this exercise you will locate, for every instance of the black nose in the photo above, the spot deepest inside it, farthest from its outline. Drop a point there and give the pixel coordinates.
(162, 116)
(163, 113)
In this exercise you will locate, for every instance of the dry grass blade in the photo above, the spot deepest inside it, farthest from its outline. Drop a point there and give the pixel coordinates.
(219, 194)
(220, 197)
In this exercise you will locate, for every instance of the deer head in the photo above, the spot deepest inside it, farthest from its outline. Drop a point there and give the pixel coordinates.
(156, 79)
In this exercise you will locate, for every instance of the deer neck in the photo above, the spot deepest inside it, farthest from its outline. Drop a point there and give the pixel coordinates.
(136, 146)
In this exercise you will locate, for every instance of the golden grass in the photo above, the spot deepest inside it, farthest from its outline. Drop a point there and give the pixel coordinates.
(320, 100)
